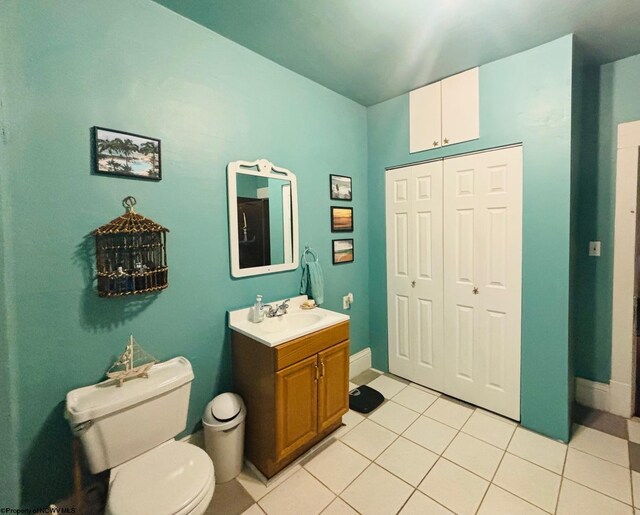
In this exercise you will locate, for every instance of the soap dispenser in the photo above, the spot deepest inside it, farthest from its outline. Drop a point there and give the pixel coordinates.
(258, 310)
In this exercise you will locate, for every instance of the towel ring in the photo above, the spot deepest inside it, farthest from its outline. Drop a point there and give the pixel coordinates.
(309, 250)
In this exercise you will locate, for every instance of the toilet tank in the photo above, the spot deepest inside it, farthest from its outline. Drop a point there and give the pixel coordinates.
(115, 424)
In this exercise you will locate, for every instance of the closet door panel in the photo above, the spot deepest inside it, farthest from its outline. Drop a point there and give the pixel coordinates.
(483, 196)
(414, 285)
(502, 277)
(426, 328)
(461, 306)
(398, 213)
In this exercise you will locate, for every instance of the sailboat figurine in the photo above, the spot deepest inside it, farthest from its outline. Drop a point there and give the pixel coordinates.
(134, 362)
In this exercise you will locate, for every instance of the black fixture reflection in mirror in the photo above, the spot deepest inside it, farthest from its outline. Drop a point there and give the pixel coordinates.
(263, 222)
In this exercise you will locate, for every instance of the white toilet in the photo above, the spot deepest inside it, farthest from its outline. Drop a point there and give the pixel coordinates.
(131, 430)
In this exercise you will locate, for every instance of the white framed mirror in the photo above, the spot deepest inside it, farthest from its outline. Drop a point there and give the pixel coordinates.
(263, 218)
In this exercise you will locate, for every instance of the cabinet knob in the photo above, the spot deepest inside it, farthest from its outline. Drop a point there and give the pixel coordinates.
(413, 284)
(322, 367)
(435, 143)
(446, 141)
(475, 290)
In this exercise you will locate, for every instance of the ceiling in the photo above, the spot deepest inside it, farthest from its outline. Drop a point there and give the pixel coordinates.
(373, 50)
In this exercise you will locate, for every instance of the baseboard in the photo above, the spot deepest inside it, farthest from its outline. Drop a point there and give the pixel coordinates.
(613, 397)
(620, 399)
(592, 394)
(359, 362)
(196, 439)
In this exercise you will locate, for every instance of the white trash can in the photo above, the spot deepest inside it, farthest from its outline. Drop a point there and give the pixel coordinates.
(223, 422)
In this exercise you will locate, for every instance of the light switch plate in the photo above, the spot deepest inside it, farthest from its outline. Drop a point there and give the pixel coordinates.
(594, 248)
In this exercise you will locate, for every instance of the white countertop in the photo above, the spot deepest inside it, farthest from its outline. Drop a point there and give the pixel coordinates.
(297, 322)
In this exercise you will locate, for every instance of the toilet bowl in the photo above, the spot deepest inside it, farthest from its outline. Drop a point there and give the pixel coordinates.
(130, 430)
(176, 478)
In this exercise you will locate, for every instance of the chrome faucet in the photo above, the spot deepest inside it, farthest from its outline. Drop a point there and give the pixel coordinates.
(279, 310)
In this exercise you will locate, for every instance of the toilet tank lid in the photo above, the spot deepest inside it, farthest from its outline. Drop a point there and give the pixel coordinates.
(98, 400)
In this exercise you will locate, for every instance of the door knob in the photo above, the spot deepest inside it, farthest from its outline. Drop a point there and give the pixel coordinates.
(413, 284)
(475, 291)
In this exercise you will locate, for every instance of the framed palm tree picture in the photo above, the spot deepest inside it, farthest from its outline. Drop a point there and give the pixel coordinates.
(126, 154)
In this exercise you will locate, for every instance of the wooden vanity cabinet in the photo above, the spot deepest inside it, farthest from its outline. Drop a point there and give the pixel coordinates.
(295, 393)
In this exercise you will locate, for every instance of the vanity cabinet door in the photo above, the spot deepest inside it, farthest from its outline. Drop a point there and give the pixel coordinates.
(296, 405)
(333, 385)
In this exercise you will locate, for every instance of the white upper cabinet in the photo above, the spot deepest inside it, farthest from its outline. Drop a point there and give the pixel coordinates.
(425, 112)
(445, 112)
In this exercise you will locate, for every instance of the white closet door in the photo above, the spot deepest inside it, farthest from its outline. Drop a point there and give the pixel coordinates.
(482, 278)
(414, 273)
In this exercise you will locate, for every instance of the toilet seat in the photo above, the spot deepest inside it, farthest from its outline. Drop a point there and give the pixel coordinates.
(173, 479)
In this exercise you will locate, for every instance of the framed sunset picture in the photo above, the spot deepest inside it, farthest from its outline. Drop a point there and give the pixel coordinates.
(341, 219)
(342, 251)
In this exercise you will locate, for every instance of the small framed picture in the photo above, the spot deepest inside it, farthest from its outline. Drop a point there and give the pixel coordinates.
(340, 187)
(341, 219)
(342, 251)
(126, 154)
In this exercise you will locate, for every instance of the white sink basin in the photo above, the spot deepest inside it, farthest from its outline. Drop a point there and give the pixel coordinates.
(290, 322)
(297, 322)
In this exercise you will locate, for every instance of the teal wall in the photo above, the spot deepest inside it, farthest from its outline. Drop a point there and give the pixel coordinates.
(523, 98)
(9, 469)
(617, 101)
(136, 66)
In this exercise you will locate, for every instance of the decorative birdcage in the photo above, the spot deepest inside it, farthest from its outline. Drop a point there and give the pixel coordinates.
(131, 254)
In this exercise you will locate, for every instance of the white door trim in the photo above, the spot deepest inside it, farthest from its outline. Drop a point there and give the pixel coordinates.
(622, 385)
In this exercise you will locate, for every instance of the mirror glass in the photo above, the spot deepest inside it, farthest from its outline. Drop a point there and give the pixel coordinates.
(263, 232)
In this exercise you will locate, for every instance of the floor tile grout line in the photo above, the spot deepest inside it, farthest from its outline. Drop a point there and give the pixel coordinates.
(398, 436)
(441, 455)
(633, 499)
(380, 466)
(282, 483)
(562, 478)
(534, 463)
(504, 452)
(599, 492)
(492, 482)
(598, 457)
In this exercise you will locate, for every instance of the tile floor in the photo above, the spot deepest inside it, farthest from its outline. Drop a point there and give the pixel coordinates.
(422, 453)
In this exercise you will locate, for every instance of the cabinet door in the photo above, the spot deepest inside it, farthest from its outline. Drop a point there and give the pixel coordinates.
(424, 118)
(460, 107)
(296, 406)
(333, 386)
